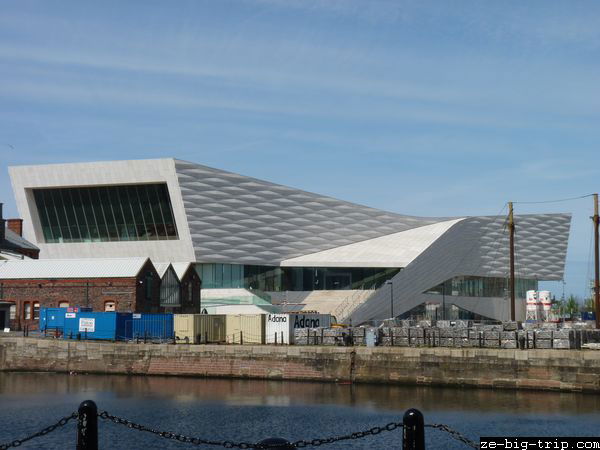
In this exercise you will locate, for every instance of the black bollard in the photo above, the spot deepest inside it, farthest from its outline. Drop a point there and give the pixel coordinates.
(87, 426)
(413, 434)
(276, 444)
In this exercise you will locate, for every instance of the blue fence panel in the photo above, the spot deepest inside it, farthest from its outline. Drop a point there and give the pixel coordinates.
(150, 326)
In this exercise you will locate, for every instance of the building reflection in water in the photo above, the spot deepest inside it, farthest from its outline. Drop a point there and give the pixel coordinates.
(285, 393)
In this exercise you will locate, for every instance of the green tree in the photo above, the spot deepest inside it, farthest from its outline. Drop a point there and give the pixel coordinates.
(572, 305)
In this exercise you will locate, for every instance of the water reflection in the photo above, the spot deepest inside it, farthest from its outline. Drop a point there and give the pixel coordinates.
(276, 393)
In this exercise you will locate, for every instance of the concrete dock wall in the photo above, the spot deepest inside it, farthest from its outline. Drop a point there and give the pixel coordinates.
(564, 370)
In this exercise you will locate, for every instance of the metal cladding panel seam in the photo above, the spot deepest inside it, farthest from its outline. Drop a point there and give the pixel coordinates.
(476, 246)
(275, 222)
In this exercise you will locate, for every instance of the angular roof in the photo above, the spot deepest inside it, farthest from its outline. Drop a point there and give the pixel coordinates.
(392, 250)
(72, 268)
(12, 241)
(181, 268)
(161, 268)
(238, 219)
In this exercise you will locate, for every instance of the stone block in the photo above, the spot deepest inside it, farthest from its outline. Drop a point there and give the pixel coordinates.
(510, 335)
(416, 332)
(510, 326)
(488, 335)
(443, 324)
(543, 343)
(491, 343)
(564, 334)
(543, 334)
(563, 343)
(446, 332)
(508, 343)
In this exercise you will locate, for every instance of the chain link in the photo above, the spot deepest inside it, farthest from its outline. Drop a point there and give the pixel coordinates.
(454, 434)
(61, 423)
(245, 445)
(242, 445)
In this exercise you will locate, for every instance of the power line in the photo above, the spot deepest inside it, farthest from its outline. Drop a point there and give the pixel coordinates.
(556, 201)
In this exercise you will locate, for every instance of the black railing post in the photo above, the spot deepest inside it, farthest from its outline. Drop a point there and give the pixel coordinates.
(276, 444)
(87, 426)
(413, 434)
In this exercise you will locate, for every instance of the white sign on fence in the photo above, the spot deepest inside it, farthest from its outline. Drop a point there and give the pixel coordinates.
(88, 325)
(69, 315)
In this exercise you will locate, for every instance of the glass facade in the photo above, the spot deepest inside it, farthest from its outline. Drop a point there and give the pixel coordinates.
(469, 286)
(106, 213)
(274, 279)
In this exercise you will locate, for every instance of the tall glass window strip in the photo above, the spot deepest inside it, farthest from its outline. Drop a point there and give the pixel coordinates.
(273, 279)
(106, 213)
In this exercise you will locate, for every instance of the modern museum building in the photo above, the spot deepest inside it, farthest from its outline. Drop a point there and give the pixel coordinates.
(302, 251)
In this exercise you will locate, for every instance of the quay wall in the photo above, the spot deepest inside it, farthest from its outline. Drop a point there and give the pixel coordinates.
(561, 370)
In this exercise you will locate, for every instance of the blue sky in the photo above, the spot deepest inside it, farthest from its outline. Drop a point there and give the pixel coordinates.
(434, 108)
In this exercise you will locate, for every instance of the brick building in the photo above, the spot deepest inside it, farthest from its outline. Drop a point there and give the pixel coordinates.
(190, 287)
(12, 244)
(112, 284)
(180, 287)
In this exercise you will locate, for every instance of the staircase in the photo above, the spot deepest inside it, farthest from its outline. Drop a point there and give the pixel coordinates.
(325, 302)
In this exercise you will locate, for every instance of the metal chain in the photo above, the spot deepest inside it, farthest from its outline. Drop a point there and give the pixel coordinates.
(61, 423)
(356, 435)
(242, 445)
(229, 444)
(454, 434)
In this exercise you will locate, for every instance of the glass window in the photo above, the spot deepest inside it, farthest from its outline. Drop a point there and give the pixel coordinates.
(36, 310)
(105, 213)
(63, 304)
(13, 312)
(109, 306)
(149, 286)
(27, 310)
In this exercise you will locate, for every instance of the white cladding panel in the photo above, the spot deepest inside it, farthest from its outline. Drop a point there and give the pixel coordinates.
(287, 323)
(25, 178)
(72, 268)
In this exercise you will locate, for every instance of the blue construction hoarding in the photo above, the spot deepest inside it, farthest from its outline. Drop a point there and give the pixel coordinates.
(150, 326)
(110, 326)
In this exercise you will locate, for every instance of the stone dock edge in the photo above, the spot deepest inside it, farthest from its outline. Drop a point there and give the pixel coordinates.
(555, 370)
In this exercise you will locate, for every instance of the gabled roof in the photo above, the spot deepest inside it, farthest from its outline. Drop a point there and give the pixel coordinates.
(72, 268)
(181, 268)
(161, 268)
(12, 241)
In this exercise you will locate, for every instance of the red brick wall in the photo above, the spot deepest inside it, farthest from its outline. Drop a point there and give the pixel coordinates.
(15, 225)
(127, 293)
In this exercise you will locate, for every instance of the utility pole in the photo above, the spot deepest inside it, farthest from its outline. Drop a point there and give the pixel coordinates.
(596, 257)
(511, 229)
